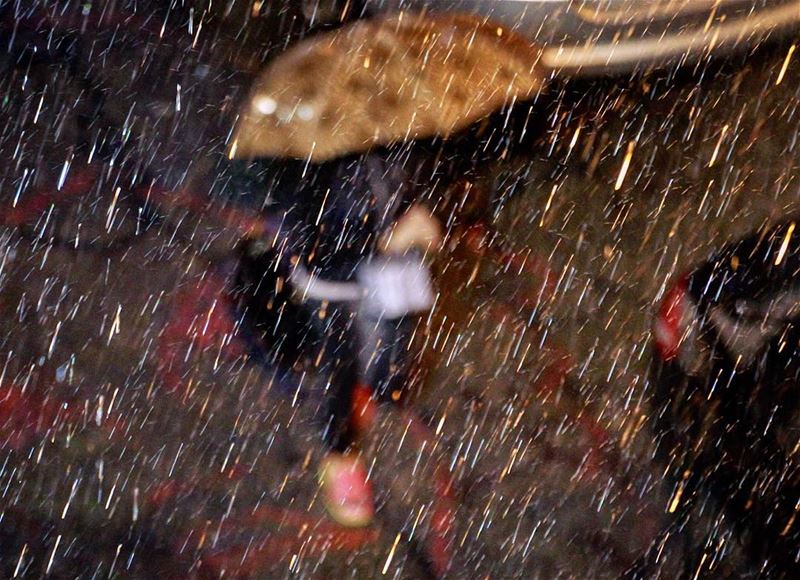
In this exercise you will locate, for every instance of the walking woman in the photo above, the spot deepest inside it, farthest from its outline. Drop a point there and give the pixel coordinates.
(355, 252)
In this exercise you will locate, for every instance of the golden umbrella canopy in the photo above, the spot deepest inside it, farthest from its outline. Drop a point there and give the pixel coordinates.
(374, 82)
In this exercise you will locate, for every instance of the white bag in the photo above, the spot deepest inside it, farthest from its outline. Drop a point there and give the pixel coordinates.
(395, 286)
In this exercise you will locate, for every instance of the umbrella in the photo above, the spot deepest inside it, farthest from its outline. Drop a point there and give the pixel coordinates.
(399, 77)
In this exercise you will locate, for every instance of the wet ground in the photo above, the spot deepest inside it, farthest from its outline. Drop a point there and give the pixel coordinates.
(141, 439)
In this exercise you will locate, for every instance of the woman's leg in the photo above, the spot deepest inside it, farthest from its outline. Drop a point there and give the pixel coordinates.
(386, 355)
(339, 432)
(334, 350)
(346, 491)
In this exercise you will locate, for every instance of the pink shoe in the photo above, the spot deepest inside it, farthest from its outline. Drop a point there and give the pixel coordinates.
(346, 493)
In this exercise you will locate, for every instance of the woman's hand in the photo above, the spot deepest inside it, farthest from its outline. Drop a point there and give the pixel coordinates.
(416, 228)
